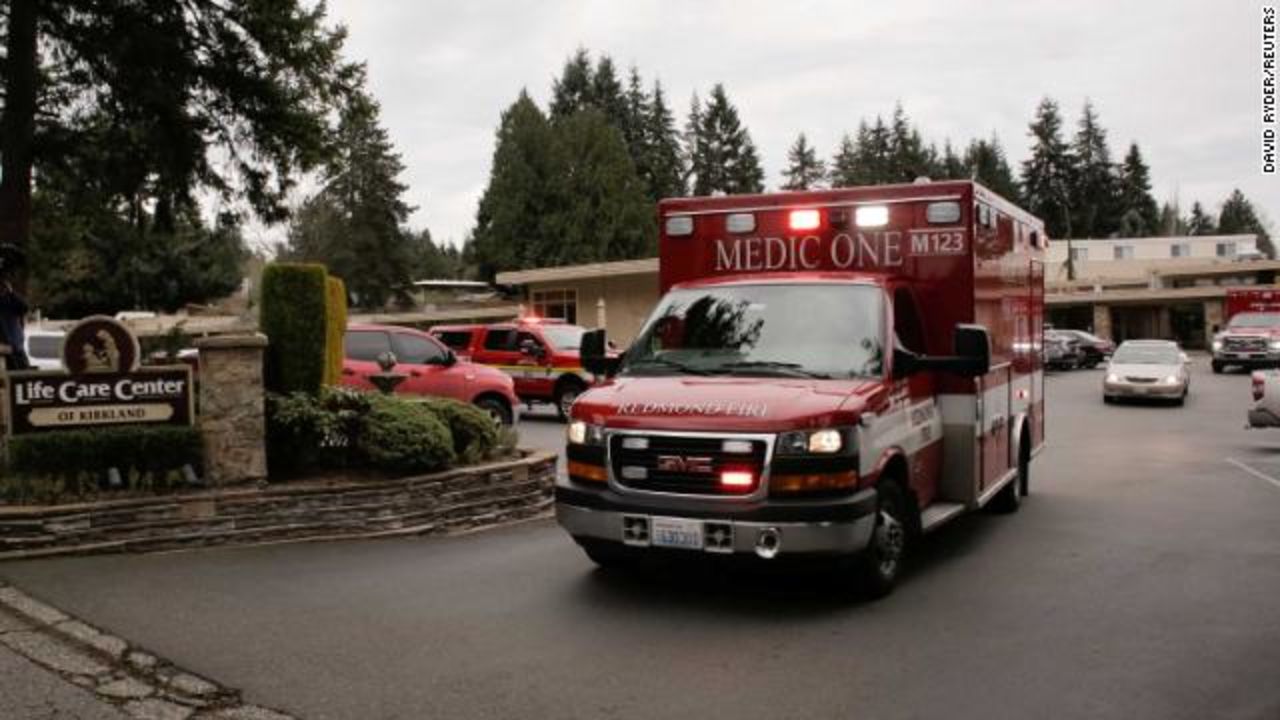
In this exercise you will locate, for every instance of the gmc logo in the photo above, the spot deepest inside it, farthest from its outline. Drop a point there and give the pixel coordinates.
(684, 464)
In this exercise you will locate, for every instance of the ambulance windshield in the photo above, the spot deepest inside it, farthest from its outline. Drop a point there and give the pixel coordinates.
(767, 330)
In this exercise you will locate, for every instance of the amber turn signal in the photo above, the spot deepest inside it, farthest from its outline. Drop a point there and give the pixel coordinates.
(813, 482)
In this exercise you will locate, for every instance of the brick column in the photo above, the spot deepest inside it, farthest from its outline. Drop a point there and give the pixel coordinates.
(232, 412)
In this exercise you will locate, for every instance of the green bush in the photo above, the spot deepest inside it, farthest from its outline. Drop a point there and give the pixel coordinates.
(402, 437)
(292, 316)
(475, 435)
(335, 317)
(73, 463)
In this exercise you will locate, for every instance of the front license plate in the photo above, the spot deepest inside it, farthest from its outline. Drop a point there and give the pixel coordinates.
(676, 533)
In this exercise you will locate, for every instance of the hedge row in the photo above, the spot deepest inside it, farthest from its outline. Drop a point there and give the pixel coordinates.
(73, 463)
(343, 428)
(335, 318)
(292, 315)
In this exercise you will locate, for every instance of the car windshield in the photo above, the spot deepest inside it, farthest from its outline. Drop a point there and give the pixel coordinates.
(1146, 355)
(782, 330)
(564, 337)
(1255, 320)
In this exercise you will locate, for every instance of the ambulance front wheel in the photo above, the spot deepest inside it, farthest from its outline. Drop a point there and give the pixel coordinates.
(878, 567)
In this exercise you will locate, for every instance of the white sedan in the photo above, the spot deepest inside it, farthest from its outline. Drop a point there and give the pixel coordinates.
(1149, 369)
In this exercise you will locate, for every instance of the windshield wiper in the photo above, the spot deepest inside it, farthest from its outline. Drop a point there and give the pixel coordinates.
(668, 363)
(785, 368)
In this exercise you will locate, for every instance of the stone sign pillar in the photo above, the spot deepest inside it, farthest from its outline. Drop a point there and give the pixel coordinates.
(1102, 321)
(232, 408)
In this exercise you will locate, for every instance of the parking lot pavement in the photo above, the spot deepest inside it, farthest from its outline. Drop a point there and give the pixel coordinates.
(1137, 581)
(542, 429)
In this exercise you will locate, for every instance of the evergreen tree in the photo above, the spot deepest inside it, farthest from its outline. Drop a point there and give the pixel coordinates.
(663, 166)
(985, 162)
(521, 192)
(907, 159)
(804, 170)
(575, 88)
(1134, 190)
(607, 94)
(1171, 222)
(635, 120)
(1200, 223)
(603, 212)
(1238, 216)
(690, 141)
(723, 158)
(951, 166)
(172, 85)
(1047, 173)
(844, 164)
(354, 225)
(1093, 194)
(876, 151)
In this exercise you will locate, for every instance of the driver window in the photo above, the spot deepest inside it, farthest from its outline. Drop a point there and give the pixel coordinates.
(526, 337)
(906, 322)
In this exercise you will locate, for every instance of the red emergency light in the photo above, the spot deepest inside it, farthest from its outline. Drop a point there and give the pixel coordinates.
(805, 219)
(737, 480)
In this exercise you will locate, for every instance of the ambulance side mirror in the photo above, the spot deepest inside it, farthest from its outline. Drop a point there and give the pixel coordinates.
(594, 354)
(972, 358)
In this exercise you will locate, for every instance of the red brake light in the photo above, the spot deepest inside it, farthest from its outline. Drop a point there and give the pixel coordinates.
(805, 219)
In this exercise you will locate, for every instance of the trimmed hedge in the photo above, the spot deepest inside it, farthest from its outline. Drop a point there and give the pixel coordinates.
(342, 428)
(76, 461)
(292, 316)
(335, 316)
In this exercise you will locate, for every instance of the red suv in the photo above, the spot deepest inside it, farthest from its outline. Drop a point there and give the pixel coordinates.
(542, 356)
(432, 369)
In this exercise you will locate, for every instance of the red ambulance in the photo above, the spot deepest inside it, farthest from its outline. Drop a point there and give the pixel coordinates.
(1252, 336)
(828, 374)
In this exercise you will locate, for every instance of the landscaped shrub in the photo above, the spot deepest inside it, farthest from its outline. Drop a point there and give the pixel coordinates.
(335, 314)
(72, 463)
(403, 437)
(292, 316)
(475, 434)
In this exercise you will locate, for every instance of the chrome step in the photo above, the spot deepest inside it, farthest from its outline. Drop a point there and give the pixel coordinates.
(938, 513)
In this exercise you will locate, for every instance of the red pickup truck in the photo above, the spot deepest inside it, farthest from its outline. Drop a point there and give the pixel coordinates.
(541, 356)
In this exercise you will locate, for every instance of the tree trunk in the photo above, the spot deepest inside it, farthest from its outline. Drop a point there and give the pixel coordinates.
(17, 129)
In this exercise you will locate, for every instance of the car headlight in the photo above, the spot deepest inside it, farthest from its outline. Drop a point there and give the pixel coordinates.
(1171, 380)
(1217, 344)
(1113, 378)
(582, 433)
(828, 441)
(1275, 344)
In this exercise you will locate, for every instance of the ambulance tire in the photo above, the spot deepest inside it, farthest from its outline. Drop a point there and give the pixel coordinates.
(877, 569)
(1010, 496)
(567, 391)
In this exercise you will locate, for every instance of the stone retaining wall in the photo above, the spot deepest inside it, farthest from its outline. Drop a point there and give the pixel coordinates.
(455, 500)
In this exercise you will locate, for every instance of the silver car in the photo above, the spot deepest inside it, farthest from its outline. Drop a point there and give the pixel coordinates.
(1151, 369)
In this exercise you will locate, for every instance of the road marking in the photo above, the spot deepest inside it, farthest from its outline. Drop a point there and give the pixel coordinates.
(1255, 473)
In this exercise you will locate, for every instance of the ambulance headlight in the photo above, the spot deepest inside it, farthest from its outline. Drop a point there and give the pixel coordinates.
(581, 433)
(828, 441)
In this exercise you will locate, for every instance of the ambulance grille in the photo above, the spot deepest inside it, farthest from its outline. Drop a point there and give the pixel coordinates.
(655, 468)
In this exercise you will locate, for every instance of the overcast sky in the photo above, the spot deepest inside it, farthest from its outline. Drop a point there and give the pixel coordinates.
(1181, 78)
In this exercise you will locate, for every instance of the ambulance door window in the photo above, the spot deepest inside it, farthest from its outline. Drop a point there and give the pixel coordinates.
(906, 322)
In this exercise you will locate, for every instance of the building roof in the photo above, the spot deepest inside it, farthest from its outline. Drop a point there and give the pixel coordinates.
(643, 266)
(1142, 296)
(1162, 239)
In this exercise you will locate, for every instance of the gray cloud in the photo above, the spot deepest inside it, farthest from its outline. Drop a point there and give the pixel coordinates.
(1179, 77)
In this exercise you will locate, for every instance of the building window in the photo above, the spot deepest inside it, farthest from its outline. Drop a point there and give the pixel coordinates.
(1079, 254)
(1123, 252)
(1226, 249)
(556, 304)
(1180, 250)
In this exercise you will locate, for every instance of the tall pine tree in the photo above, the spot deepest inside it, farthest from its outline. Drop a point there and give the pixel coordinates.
(663, 165)
(804, 170)
(1047, 173)
(844, 164)
(575, 88)
(986, 163)
(1200, 223)
(1093, 190)
(1239, 216)
(722, 158)
(908, 158)
(1140, 214)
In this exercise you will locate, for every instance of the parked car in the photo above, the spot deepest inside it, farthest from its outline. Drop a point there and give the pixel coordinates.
(1061, 352)
(541, 356)
(432, 369)
(1148, 369)
(1266, 399)
(44, 348)
(1095, 350)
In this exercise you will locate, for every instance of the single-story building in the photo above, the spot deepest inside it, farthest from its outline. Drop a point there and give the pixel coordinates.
(616, 296)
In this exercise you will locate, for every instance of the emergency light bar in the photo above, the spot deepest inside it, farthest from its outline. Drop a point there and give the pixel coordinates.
(740, 223)
(871, 216)
(737, 479)
(679, 225)
(805, 219)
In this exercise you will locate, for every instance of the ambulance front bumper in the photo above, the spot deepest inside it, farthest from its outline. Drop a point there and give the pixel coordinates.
(831, 526)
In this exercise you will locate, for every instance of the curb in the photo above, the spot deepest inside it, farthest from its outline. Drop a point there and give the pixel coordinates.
(138, 683)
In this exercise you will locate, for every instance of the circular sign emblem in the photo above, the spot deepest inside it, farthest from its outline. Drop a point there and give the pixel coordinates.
(99, 344)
